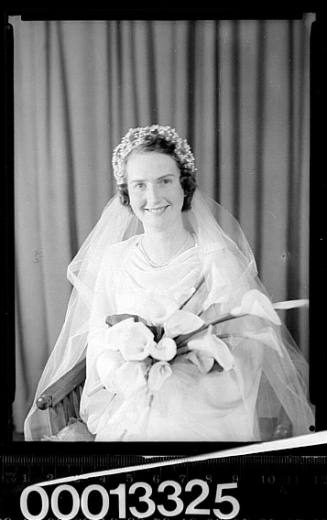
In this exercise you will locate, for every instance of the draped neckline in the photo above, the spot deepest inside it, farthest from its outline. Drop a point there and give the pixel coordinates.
(179, 257)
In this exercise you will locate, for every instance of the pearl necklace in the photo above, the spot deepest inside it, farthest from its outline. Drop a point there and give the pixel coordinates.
(156, 264)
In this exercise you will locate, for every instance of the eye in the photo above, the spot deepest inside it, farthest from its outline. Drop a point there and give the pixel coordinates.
(139, 185)
(167, 180)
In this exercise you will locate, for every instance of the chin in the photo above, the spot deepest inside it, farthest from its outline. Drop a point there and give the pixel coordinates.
(155, 225)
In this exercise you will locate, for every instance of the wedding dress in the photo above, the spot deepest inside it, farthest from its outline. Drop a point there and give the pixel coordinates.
(196, 401)
(237, 380)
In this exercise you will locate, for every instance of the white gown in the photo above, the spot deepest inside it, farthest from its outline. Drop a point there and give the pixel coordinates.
(193, 403)
(236, 382)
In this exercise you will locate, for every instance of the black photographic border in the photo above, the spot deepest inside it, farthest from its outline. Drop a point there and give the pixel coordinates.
(318, 266)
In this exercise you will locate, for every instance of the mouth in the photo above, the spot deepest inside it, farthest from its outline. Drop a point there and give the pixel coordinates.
(156, 211)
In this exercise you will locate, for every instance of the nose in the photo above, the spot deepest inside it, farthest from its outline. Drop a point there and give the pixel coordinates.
(153, 195)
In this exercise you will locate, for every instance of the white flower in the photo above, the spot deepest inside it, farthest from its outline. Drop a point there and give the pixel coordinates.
(130, 377)
(164, 350)
(107, 363)
(158, 373)
(210, 344)
(182, 322)
(113, 333)
(202, 360)
(135, 341)
(256, 303)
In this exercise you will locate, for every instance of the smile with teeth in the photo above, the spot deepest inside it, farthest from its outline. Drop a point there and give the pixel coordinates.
(156, 211)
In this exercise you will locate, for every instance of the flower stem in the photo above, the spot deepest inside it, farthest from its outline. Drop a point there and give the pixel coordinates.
(182, 340)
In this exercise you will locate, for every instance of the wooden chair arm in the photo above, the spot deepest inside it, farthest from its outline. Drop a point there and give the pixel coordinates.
(61, 388)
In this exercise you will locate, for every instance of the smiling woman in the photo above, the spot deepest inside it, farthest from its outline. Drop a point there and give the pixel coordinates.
(181, 341)
(157, 190)
(156, 198)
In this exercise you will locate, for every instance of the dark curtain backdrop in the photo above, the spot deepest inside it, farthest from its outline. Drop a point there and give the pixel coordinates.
(237, 90)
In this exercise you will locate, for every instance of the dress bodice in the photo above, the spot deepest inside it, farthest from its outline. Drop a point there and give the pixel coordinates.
(154, 292)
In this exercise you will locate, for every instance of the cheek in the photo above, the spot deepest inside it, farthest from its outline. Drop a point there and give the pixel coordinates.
(179, 196)
(134, 201)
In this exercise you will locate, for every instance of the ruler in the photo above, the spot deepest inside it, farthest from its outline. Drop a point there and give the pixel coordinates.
(252, 487)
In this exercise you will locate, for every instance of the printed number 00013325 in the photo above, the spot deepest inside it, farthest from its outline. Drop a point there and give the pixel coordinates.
(170, 492)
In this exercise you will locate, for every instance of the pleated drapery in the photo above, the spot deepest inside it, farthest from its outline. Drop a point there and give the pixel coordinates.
(238, 90)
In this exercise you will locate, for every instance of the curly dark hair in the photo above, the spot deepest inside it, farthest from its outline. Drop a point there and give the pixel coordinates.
(155, 143)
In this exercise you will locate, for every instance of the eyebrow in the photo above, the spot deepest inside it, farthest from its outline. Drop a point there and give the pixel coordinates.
(159, 178)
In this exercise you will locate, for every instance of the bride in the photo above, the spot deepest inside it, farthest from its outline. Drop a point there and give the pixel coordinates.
(181, 341)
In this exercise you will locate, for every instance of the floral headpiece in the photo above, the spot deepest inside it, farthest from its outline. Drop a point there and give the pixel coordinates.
(142, 135)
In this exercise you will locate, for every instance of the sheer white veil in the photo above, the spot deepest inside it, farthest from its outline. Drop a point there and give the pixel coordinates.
(285, 376)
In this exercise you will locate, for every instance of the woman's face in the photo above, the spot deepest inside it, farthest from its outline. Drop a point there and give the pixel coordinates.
(155, 193)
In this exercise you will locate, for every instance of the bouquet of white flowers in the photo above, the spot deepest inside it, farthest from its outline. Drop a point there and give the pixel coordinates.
(144, 351)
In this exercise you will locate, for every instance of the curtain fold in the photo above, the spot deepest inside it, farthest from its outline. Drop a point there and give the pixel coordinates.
(238, 90)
